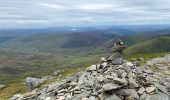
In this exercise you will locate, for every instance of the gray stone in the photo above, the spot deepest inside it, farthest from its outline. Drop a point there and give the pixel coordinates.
(132, 83)
(143, 96)
(165, 82)
(90, 81)
(141, 90)
(127, 68)
(163, 89)
(120, 81)
(128, 92)
(117, 61)
(100, 78)
(111, 87)
(91, 98)
(80, 96)
(121, 73)
(57, 72)
(16, 97)
(92, 68)
(158, 96)
(150, 89)
(2, 86)
(112, 97)
(31, 82)
(57, 86)
(82, 79)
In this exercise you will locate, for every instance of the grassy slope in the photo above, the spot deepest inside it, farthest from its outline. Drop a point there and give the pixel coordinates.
(54, 57)
(155, 45)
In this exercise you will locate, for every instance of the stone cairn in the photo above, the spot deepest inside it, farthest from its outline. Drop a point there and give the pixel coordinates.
(108, 80)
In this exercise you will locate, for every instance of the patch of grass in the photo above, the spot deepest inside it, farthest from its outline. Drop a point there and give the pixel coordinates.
(144, 56)
(12, 89)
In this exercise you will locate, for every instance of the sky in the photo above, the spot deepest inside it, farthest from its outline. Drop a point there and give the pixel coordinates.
(54, 13)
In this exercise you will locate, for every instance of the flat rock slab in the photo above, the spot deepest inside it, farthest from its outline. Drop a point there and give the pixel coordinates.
(111, 87)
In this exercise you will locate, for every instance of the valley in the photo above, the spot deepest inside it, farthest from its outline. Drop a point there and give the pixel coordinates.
(38, 53)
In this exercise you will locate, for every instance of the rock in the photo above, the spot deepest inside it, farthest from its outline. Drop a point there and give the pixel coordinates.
(129, 64)
(143, 96)
(158, 96)
(92, 68)
(31, 82)
(127, 68)
(2, 86)
(61, 98)
(106, 81)
(91, 98)
(100, 78)
(165, 82)
(101, 96)
(132, 83)
(132, 93)
(129, 97)
(120, 81)
(82, 79)
(129, 92)
(111, 87)
(141, 90)
(112, 97)
(121, 73)
(90, 81)
(117, 61)
(48, 98)
(57, 86)
(103, 59)
(150, 89)
(84, 98)
(104, 64)
(57, 72)
(46, 78)
(80, 96)
(163, 89)
(73, 84)
(17, 97)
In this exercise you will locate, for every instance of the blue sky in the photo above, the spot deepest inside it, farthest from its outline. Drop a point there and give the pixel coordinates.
(52, 13)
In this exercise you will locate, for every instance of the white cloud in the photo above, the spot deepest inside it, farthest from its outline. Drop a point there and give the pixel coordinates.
(64, 12)
(52, 5)
(96, 6)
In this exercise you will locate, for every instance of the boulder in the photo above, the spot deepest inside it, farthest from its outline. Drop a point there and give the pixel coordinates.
(111, 87)
(141, 90)
(112, 97)
(158, 96)
(92, 68)
(120, 81)
(117, 61)
(57, 72)
(2, 86)
(32, 83)
(150, 89)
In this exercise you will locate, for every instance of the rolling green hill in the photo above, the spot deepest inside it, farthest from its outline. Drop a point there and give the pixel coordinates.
(155, 45)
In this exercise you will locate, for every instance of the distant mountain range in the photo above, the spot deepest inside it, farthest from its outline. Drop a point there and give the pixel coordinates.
(80, 38)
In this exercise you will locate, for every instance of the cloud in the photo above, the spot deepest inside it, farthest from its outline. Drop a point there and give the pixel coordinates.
(96, 6)
(52, 5)
(51, 13)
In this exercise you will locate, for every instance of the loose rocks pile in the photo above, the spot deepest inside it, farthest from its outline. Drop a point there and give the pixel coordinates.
(106, 81)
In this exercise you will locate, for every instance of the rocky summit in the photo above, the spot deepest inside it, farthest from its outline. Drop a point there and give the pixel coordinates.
(108, 80)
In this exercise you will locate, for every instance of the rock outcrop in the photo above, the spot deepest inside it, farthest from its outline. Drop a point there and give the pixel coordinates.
(31, 82)
(108, 80)
(2, 86)
(162, 63)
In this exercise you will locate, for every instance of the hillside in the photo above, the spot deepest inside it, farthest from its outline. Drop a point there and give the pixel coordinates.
(155, 45)
(107, 80)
